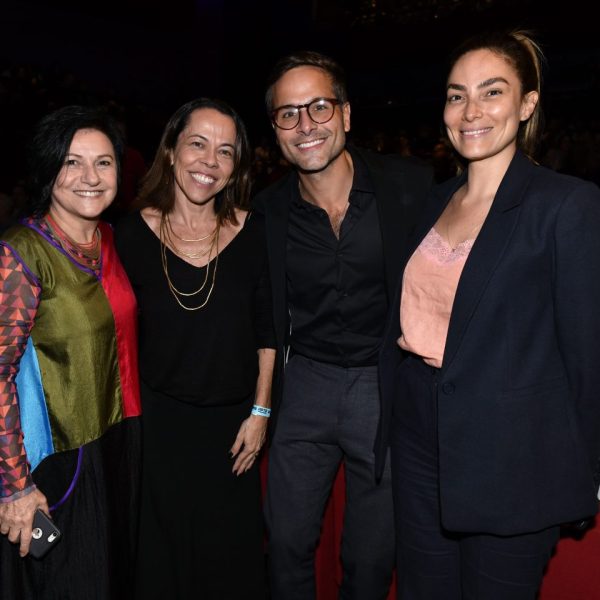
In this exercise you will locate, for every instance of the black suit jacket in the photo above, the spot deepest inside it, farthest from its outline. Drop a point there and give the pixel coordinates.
(401, 187)
(519, 390)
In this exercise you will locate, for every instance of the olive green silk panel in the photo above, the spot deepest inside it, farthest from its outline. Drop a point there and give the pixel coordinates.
(74, 338)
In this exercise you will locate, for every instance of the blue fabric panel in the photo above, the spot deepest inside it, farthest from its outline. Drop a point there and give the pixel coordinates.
(32, 406)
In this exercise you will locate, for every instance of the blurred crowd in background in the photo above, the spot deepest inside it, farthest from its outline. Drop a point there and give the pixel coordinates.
(571, 142)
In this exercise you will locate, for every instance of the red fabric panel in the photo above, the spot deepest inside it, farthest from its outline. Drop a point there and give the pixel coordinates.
(122, 301)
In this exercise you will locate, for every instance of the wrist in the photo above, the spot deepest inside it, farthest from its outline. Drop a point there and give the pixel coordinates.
(16, 495)
(260, 411)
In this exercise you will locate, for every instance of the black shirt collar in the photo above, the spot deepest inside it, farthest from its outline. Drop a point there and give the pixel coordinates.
(361, 182)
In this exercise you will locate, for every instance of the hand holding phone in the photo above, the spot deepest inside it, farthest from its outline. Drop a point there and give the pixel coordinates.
(15, 513)
(44, 535)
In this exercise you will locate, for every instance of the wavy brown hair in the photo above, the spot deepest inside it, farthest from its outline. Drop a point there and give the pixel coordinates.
(158, 186)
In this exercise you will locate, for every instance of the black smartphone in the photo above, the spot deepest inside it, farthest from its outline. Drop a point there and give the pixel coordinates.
(44, 535)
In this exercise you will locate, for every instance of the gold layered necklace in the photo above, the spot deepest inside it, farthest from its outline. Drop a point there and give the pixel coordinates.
(212, 249)
(167, 234)
(86, 254)
(181, 239)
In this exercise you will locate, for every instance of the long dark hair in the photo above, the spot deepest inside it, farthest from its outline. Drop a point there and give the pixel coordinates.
(51, 143)
(158, 187)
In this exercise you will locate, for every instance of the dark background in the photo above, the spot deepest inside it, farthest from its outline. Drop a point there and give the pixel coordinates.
(147, 59)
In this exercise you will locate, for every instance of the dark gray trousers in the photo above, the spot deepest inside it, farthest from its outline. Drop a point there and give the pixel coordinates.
(328, 414)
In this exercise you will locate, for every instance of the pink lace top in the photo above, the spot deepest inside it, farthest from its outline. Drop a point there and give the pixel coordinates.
(428, 289)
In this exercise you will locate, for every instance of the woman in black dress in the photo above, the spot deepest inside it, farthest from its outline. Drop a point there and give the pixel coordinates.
(197, 262)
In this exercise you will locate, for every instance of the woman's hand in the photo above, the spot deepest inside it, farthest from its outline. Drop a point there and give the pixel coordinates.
(253, 430)
(248, 443)
(16, 518)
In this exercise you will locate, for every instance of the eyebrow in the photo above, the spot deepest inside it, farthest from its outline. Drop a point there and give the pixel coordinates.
(198, 135)
(303, 104)
(483, 84)
(81, 155)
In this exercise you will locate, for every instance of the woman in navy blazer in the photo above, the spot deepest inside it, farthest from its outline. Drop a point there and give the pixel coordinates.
(490, 365)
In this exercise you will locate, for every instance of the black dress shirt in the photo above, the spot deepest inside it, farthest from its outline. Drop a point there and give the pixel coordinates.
(336, 287)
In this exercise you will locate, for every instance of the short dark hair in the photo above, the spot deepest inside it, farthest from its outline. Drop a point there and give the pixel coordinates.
(520, 50)
(307, 58)
(158, 187)
(50, 145)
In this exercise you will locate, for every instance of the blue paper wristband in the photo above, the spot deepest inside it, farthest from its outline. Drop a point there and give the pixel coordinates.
(260, 411)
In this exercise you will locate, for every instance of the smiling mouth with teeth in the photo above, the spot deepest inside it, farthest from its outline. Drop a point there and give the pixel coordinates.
(202, 178)
(311, 144)
(477, 131)
(89, 193)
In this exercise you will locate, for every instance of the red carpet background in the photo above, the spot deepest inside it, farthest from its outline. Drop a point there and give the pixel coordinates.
(573, 572)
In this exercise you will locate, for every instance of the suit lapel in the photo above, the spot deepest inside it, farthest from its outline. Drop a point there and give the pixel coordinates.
(390, 209)
(487, 251)
(277, 215)
(439, 200)
(440, 196)
(389, 187)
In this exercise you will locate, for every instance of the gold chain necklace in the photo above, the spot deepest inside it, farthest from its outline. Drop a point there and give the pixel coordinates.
(174, 291)
(200, 239)
(166, 232)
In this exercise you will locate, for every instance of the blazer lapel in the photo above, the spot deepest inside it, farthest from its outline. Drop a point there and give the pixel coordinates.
(276, 226)
(391, 215)
(436, 204)
(440, 197)
(487, 251)
(395, 200)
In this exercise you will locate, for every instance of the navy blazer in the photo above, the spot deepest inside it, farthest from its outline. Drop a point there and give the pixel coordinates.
(401, 187)
(518, 394)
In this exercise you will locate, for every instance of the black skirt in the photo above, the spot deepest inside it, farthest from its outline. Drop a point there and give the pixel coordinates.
(201, 528)
(98, 520)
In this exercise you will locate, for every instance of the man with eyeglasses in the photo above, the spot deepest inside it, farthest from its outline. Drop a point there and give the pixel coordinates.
(336, 227)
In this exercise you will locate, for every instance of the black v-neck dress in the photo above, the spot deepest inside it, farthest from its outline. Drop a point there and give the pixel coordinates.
(201, 533)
